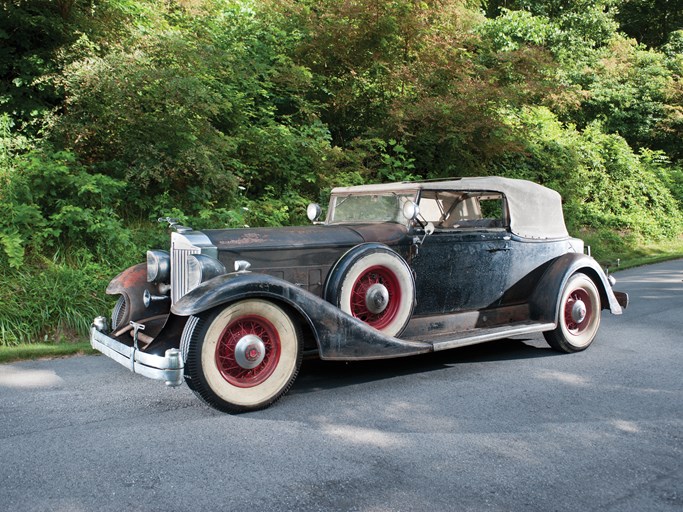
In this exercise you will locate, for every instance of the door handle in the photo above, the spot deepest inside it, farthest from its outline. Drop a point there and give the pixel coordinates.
(506, 247)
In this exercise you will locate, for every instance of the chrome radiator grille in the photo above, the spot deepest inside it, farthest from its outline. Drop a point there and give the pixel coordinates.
(179, 281)
(183, 244)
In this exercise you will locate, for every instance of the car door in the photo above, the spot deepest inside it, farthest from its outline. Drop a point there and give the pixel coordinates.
(463, 264)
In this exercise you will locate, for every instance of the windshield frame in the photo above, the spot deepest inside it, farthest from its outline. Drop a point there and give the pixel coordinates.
(401, 195)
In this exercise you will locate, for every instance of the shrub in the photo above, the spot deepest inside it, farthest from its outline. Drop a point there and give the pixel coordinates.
(604, 183)
(50, 301)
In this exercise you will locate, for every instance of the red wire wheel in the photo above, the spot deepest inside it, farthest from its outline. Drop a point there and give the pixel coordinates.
(243, 356)
(245, 333)
(578, 312)
(372, 277)
(578, 315)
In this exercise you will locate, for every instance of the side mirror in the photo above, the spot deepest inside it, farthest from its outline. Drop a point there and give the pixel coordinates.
(313, 212)
(411, 210)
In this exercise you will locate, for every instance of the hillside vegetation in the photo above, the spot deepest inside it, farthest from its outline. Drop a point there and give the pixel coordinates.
(224, 113)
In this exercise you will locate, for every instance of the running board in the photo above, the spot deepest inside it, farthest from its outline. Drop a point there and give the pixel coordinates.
(472, 337)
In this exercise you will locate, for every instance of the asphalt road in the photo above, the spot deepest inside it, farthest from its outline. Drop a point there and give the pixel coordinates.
(508, 425)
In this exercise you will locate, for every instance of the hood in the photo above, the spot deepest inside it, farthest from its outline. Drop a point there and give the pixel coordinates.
(301, 237)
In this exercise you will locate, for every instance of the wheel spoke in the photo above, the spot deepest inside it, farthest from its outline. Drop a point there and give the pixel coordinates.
(359, 308)
(264, 333)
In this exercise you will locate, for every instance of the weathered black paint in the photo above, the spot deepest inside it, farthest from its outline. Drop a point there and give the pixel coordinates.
(467, 281)
(339, 336)
(300, 255)
(543, 303)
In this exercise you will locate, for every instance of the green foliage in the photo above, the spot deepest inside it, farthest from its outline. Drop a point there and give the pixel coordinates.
(51, 302)
(33, 37)
(637, 93)
(605, 185)
(48, 201)
(651, 22)
(232, 113)
(144, 117)
(629, 89)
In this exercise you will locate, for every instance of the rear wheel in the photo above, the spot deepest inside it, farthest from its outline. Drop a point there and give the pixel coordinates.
(578, 316)
(243, 357)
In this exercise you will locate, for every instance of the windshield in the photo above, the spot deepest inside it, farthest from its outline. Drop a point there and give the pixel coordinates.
(363, 208)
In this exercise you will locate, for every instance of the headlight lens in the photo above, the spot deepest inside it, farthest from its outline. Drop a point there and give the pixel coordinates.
(158, 266)
(200, 268)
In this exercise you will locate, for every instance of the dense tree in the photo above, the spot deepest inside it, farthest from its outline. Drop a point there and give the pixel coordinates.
(650, 22)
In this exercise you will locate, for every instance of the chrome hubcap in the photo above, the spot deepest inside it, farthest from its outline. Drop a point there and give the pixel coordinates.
(579, 311)
(377, 298)
(249, 351)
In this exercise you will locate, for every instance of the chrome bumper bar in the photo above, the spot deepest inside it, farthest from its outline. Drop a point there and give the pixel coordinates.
(168, 367)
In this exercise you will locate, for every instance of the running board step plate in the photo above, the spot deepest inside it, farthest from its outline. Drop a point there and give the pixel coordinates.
(472, 337)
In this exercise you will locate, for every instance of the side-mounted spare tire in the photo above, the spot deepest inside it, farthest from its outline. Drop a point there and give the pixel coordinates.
(374, 284)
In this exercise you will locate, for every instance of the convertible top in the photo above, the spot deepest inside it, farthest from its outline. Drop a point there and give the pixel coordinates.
(535, 210)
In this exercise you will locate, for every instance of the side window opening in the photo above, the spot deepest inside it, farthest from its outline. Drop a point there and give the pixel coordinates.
(465, 210)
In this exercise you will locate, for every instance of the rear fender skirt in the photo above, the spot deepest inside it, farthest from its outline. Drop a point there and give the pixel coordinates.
(338, 335)
(543, 303)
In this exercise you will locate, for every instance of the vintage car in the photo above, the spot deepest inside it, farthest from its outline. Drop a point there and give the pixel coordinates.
(394, 270)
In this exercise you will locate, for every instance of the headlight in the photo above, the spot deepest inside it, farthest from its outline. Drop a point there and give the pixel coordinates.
(200, 268)
(158, 266)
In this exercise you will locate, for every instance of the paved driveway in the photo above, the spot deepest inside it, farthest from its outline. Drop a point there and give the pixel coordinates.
(508, 425)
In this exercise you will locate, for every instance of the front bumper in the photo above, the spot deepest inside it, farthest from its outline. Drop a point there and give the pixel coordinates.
(168, 367)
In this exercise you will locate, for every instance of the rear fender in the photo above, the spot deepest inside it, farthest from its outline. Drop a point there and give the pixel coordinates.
(338, 335)
(543, 303)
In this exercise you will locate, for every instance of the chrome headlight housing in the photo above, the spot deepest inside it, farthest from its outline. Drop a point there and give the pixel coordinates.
(200, 268)
(158, 266)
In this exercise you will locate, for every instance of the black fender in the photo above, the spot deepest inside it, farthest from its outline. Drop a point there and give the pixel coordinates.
(132, 284)
(337, 334)
(543, 303)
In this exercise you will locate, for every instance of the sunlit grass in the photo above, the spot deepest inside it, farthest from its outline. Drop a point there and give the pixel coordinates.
(615, 251)
(647, 254)
(40, 350)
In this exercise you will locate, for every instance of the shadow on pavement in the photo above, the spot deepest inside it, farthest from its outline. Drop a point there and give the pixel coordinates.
(316, 374)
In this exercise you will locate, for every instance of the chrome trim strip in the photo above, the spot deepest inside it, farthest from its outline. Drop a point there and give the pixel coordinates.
(168, 368)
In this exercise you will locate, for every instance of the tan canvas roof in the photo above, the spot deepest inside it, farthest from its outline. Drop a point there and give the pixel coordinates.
(535, 210)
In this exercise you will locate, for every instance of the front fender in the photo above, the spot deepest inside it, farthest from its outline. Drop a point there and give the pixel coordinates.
(132, 284)
(545, 298)
(338, 335)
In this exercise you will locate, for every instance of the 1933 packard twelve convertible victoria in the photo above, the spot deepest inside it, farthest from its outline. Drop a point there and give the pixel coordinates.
(394, 270)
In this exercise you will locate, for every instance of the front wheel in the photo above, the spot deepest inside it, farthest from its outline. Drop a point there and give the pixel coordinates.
(243, 357)
(578, 316)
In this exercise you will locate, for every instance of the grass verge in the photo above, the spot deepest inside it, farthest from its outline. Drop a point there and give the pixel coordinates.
(643, 255)
(26, 351)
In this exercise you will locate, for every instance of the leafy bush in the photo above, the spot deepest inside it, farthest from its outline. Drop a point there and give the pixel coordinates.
(50, 202)
(605, 185)
(51, 301)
